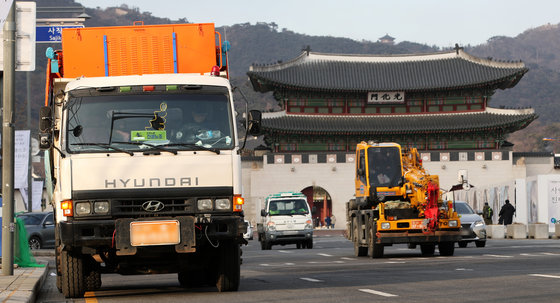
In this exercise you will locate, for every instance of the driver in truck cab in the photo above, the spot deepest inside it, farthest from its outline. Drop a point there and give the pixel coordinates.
(274, 209)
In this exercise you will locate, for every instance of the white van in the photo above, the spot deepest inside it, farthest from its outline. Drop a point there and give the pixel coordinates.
(286, 219)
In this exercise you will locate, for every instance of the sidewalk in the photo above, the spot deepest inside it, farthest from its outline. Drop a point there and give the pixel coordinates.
(24, 285)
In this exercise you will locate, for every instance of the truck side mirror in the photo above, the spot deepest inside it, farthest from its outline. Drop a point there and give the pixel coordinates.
(45, 119)
(254, 122)
(263, 213)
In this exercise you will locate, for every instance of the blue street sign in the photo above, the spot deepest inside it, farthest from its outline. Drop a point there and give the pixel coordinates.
(52, 33)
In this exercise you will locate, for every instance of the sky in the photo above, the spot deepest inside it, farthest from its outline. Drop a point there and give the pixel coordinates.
(433, 22)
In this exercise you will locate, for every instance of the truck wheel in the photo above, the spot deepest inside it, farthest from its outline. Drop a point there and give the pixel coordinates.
(480, 243)
(299, 245)
(411, 245)
(446, 248)
(93, 280)
(58, 267)
(309, 243)
(427, 249)
(375, 250)
(358, 250)
(73, 279)
(462, 244)
(229, 272)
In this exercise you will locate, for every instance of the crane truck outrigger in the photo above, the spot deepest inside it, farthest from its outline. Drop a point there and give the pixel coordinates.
(139, 182)
(397, 201)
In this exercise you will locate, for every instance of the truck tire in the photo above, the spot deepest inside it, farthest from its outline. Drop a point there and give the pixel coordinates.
(93, 280)
(300, 244)
(57, 261)
(427, 249)
(359, 251)
(375, 250)
(463, 244)
(309, 243)
(229, 272)
(446, 248)
(480, 243)
(265, 245)
(73, 280)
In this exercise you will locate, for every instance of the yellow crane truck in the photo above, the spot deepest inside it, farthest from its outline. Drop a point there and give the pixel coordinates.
(398, 202)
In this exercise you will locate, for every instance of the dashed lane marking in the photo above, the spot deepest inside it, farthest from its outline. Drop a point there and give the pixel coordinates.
(498, 256)
(376, 292)
(545, 276)
(311, 280)
(394, 262)
(325, 255)
(550, 254)
(285, 251)
(464, 269)
(349, 259)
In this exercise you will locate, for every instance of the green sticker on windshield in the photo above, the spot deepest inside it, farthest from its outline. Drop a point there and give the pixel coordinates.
(148, 135)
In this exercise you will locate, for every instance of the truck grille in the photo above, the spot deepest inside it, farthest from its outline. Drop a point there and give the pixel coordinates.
(129, 208)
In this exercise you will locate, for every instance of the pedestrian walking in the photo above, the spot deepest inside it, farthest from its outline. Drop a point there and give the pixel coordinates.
(506, 213)
(487, 214)
(328, 222)
(333, 221)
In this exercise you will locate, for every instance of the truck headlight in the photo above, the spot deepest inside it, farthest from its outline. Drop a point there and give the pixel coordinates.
(204, 204)
(385, 225)
(308, 224)
(271, 226)
(101, 207)
(82, 208)
(452, 223)
(223, 204)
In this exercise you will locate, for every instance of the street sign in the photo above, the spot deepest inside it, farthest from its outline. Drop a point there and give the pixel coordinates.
(5, 6)
(25, 36)
(52, 33)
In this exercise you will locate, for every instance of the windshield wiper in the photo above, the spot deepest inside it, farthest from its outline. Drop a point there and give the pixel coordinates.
(158, 147)
(200, 147)
(105, 145)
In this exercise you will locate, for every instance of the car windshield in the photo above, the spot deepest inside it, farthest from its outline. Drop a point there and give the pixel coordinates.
(463, 208)
(288, 207)
(184, 120)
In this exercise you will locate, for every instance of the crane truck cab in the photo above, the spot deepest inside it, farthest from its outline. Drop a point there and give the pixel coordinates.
(286, 219)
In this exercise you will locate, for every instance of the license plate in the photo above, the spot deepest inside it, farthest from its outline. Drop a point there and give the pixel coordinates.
(417, 224)
(146, 233)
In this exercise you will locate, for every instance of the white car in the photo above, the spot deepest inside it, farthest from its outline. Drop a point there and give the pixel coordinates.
(249, 234)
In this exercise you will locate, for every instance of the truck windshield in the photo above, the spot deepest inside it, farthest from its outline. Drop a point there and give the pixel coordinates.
(288, 207)
(384, 164)
(128, 122)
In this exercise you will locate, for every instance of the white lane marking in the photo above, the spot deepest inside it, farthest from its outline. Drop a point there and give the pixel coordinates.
(285, 251)
(498, 256)
(310, 280)
(394, 262)
(264, 264)
(289, 264)
(379, 293)
(325, 255)
(464, 269)
(530, 255)
(350, 259)
(550, 254)
(545, 276)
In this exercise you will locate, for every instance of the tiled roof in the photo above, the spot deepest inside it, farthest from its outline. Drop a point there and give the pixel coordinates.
(507, 120)
(363, 73)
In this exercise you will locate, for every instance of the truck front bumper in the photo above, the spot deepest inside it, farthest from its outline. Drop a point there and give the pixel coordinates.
(424, 237)
(115, 233)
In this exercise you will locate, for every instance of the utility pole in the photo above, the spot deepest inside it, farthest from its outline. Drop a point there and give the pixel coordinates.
(8, 226)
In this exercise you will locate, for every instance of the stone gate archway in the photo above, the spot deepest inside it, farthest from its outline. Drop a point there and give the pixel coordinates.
(320, 203)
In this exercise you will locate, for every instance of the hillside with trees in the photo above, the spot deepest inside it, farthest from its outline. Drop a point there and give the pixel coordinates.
(265, 43)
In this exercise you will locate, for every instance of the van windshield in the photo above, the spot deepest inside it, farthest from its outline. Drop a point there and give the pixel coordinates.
(288, 207)
(136, 122)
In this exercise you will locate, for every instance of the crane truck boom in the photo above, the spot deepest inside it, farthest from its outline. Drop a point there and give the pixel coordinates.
(142, 156)
(398, 202)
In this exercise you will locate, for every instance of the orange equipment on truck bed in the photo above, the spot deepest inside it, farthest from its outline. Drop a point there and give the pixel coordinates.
(144, 49)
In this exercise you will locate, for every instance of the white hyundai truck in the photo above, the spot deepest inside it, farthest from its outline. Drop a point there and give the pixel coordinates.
(286, 219)
(142, 156)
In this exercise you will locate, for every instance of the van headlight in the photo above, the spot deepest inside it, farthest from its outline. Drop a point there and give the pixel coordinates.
(452, 223)
(223, 204)
(204, 204)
